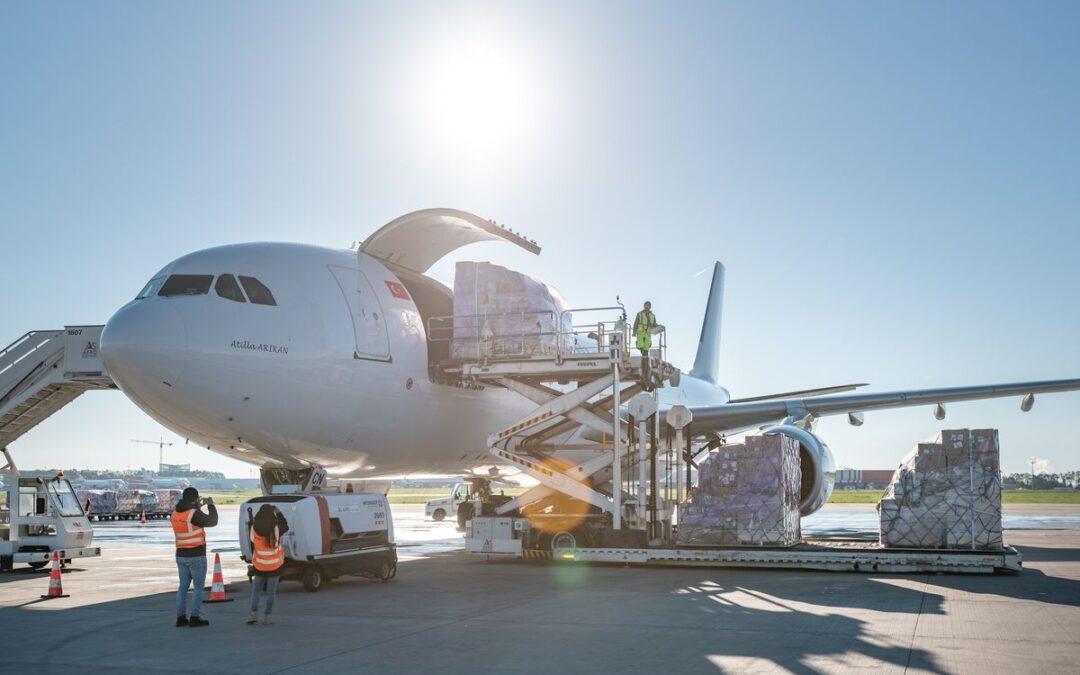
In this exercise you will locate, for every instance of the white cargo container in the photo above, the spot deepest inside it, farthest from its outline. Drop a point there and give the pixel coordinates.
(330, 535)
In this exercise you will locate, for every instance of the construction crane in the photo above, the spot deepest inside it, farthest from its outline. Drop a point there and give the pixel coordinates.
(161, 449)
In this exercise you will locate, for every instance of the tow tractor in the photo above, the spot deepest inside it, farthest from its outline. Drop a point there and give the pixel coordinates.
(610, 482)
(39, 516)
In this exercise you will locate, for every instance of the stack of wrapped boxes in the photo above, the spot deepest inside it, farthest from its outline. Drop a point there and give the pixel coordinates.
(97, 502)
(946, 494)
(502, 313)
(134, 502)
(165, 499)
(747, 495)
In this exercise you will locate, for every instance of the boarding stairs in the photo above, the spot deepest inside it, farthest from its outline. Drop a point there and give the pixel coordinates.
(578, 378)
(43, 371)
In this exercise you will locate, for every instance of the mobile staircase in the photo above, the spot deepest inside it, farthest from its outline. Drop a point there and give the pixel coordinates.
(43, 371)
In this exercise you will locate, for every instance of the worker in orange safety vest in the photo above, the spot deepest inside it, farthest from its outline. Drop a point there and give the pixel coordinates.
(189, 525)
(267, 558)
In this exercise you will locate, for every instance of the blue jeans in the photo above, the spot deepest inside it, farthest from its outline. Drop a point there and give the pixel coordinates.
(192, 571)
(257, 584)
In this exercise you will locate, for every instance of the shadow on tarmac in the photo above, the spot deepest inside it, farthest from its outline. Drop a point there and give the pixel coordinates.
(1049, 554)
(723, 618)
(811, 624)
(22, 572)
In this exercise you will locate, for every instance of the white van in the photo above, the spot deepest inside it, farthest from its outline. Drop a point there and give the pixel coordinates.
(439, 509)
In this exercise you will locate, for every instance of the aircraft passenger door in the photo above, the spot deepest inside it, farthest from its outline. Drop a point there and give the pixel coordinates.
(369, 323)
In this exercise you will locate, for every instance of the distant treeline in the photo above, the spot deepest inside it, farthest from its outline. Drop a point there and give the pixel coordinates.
(1043, 481)
(130, 474)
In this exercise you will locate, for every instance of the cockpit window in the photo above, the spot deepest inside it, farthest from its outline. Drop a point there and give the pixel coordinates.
(257, 292)
(151, 288)
(186, 284)
(227, 287)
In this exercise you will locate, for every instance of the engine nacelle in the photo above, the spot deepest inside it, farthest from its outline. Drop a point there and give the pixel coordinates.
(818, 467)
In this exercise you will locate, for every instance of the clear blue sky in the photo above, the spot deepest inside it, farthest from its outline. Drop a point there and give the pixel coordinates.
(893, 188)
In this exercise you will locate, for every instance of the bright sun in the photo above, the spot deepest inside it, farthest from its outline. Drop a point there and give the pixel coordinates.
(477, 100)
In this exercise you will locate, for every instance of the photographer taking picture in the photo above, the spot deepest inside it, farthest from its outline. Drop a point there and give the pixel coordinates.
(188, 523)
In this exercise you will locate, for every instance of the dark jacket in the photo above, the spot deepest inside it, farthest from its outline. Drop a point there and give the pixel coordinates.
(283, 527)
(201, 520)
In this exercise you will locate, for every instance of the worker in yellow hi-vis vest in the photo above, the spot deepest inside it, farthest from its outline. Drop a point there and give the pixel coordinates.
(644, 323)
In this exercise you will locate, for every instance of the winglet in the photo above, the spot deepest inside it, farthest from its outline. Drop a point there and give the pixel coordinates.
(707, 362)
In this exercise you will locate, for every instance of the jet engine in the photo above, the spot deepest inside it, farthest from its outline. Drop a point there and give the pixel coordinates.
(818, 467)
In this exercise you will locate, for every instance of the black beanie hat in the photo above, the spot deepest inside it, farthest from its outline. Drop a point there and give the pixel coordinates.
(190, 495)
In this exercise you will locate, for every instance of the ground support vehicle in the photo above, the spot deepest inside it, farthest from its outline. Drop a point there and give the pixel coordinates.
(40, 516)
(331, 534)
(447, 507)
(610, 482)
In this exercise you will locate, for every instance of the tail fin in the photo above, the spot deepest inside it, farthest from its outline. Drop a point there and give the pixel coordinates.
(707, 363)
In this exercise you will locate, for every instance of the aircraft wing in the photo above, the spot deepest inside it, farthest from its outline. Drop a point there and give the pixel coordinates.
(802, 393)
(734, 416)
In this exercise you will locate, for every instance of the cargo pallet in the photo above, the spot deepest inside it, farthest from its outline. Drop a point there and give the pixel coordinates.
(809, 555)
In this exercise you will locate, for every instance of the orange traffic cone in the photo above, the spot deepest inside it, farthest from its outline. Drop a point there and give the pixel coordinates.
(55, 589)
(142, 516)
(217, 586)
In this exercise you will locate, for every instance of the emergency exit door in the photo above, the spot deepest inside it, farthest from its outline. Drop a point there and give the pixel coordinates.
(369, 323)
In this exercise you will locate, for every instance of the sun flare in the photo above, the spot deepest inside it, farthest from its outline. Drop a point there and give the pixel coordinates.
(476, 100)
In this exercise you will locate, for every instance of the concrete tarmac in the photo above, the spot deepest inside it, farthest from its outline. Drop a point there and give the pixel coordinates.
(447, 612)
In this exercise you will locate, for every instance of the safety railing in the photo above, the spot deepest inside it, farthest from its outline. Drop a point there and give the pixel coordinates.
(537, 334)
(19, 359)
(497, 335)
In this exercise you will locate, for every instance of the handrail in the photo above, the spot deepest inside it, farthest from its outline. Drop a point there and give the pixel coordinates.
(23, 337)
(30, 349)
(566, 338)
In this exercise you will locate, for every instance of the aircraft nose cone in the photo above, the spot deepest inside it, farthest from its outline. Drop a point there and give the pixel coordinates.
(144, 347)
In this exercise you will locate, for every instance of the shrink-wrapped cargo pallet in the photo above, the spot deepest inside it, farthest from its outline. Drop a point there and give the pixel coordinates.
(165, 499)
(502, 313)
(747, 495)
(97, 502)
(134, 502)
(946, 494)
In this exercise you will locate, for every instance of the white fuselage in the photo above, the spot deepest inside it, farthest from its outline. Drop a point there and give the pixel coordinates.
(336, 373)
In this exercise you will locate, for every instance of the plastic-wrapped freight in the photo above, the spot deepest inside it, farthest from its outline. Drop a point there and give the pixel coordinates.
(134, 502)
(946, 494)
(97, 502)
(502, 313)
(747, 495)
(165, 499)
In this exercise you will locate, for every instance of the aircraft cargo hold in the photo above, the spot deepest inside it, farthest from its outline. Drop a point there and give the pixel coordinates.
(946, 494)
(747, 495)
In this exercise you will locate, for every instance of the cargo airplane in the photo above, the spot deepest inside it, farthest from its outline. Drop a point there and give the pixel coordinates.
(288, 355)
